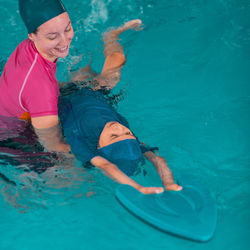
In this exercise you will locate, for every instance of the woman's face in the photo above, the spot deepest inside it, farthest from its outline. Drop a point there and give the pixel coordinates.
(114, 132)
(53, 38)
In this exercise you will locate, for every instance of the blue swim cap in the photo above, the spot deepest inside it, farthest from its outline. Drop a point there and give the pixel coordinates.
(36, 12)
(126, 154)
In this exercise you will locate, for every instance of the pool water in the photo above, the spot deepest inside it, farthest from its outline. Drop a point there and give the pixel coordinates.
(187, 91)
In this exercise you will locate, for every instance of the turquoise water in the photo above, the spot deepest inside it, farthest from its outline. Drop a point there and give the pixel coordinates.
(187, 91)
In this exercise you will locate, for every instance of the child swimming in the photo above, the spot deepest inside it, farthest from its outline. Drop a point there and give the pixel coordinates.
(98, 134)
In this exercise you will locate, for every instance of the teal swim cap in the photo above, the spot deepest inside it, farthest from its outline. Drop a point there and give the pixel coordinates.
(36, 12)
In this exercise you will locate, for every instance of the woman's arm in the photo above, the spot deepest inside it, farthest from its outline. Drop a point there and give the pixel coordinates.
(163, 171)
(49, 133)
(116, 174)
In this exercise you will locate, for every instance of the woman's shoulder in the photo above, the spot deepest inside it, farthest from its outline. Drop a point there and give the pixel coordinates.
(21, 58)
(22, 49)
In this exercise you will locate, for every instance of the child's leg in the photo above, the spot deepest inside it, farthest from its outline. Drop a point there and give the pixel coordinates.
(114, 60)
(114, 56)
(111, 45)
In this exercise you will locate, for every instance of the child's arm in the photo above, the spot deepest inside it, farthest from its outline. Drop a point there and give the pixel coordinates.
(116, 174)
(163, 170)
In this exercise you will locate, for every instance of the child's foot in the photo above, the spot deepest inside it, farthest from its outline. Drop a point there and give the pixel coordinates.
(113, 34)
(133, 24)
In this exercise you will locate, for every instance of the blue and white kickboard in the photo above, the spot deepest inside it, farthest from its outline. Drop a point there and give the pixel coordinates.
(190, 213)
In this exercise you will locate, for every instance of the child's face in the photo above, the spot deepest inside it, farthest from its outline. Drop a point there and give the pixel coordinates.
(114, 132)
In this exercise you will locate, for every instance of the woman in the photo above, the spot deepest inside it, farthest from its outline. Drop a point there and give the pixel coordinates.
(101, 136)
(28, 86)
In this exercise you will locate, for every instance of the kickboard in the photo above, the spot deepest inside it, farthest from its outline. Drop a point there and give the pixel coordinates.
(190, 213)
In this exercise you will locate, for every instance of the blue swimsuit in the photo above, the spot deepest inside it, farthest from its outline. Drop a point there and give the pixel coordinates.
(83, 116)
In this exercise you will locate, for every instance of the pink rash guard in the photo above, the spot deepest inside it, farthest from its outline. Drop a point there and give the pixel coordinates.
(28, 85)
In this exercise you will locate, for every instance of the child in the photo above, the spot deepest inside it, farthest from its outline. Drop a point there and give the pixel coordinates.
(98, 134)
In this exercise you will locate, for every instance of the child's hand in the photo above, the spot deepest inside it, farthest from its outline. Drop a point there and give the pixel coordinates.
(150, 190)
(173, 187)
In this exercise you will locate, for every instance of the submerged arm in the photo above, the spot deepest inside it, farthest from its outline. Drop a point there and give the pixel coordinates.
(49, 133)
(116, 174)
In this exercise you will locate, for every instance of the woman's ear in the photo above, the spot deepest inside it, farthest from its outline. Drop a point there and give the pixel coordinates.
(31, 36)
